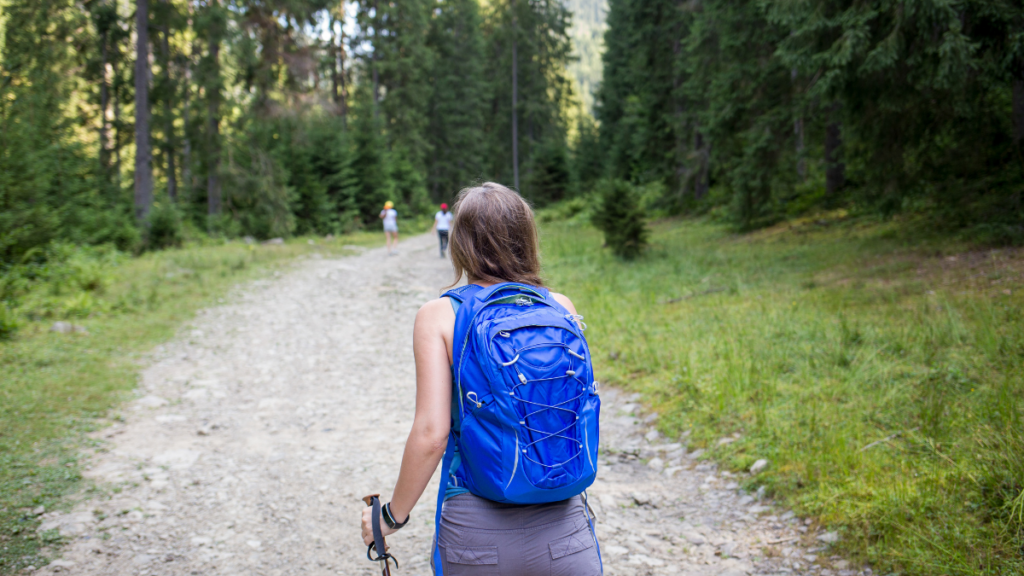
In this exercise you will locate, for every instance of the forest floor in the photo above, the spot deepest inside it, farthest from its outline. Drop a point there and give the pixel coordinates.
(256, 431)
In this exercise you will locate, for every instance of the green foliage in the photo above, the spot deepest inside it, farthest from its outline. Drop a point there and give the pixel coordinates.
(458, 99)
(620, 216)
(586, 162)
(549, 177)
(878, 377)
(541, 32)
(9, 322)
(163, 229)
(882, 106)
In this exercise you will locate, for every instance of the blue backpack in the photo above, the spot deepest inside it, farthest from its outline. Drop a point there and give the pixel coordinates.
(524, 402)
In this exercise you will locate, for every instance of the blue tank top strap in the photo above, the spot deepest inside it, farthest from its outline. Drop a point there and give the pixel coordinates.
(454, 489)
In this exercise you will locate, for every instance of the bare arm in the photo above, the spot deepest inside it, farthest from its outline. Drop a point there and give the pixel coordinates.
(429, 435)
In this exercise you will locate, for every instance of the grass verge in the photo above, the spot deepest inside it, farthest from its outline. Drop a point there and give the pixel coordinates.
(55, 386)
(879, 373)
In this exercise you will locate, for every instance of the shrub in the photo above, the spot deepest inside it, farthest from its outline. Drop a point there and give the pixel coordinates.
(8, 322)
(621, 217)
(164, 230)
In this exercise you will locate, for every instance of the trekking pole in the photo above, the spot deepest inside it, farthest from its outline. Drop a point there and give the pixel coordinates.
(378, 544)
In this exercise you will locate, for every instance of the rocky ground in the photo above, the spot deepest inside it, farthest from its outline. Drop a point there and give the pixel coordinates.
(258, 429)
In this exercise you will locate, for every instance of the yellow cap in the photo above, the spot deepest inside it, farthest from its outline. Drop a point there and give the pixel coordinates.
(388, 205)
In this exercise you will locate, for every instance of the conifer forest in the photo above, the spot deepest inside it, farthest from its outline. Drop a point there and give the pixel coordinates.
(796, 228)
(125, 121)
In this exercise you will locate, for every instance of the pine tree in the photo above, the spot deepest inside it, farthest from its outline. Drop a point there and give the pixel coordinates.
(143, 151)
(544, 92)
(458, 99)
(370, 163)
(621, 218)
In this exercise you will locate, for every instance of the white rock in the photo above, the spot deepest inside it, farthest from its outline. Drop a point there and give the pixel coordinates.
(201, 540)
(63, 564)
(151, 401)
(640, 498)
(170, 418)
(179, 459)
(758, 466)
(68, 328)
(196, 394)
(255, 544)
(671, 471)
(652, 435)
(667, 447)
(694, 537)
(615, 550)
(656, 464)
(608, 501)
(829, 537)
(645, 560)
(695, 454)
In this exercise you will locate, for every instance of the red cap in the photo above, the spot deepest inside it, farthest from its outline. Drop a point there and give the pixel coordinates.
(444, 206)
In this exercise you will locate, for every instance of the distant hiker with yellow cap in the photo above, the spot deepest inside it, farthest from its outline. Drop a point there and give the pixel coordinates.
(390, 218)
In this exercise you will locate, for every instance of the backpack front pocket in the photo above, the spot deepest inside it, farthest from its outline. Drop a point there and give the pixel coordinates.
(547, 379)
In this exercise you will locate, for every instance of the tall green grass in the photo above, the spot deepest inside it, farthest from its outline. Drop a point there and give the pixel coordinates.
(881, 380)
(54, 387)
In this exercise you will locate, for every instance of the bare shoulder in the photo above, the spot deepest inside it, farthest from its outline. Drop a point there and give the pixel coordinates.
(564, 301)
(436, 310)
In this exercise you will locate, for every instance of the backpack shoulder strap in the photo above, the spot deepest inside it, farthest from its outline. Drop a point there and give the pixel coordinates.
(459, 295)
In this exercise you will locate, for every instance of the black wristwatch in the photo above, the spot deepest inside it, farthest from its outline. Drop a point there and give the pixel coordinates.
(389, 518)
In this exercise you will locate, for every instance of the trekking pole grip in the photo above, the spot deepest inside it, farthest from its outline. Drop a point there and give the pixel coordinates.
(378, 544)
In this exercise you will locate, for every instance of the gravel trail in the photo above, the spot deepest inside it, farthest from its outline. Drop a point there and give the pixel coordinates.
(258, 429)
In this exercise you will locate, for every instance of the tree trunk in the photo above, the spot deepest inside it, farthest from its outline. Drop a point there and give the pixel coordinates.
(169, 137)
(1018, 110)
(104, 104)
(335, 87)
(801, 161)
(213, 200)
(835, 171)
(117, 134)
(703, 183)
(798, 131)
(143, 153)
(515, 98)
(186, 148)
(682, 171)
(376, 55)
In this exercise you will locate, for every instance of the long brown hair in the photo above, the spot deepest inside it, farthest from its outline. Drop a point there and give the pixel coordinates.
(494, 237)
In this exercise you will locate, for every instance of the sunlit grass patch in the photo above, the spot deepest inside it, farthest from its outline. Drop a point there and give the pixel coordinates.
(882, 378)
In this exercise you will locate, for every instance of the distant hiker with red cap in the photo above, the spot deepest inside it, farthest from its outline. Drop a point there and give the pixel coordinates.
(443, 223)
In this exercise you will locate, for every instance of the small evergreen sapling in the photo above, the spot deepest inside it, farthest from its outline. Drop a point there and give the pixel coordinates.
(621, 218)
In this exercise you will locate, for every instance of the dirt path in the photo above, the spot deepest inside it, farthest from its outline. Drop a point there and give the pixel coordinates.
(258, 429)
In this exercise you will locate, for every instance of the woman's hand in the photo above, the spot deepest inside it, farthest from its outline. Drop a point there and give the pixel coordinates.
(368, 528)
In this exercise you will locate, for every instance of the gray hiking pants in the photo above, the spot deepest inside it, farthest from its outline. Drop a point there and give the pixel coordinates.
(484, 538)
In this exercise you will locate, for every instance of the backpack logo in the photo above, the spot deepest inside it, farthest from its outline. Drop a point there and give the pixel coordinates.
(524, 301)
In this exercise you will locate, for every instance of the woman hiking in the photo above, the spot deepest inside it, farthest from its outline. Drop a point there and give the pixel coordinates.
(505, 394)
(390, 217)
